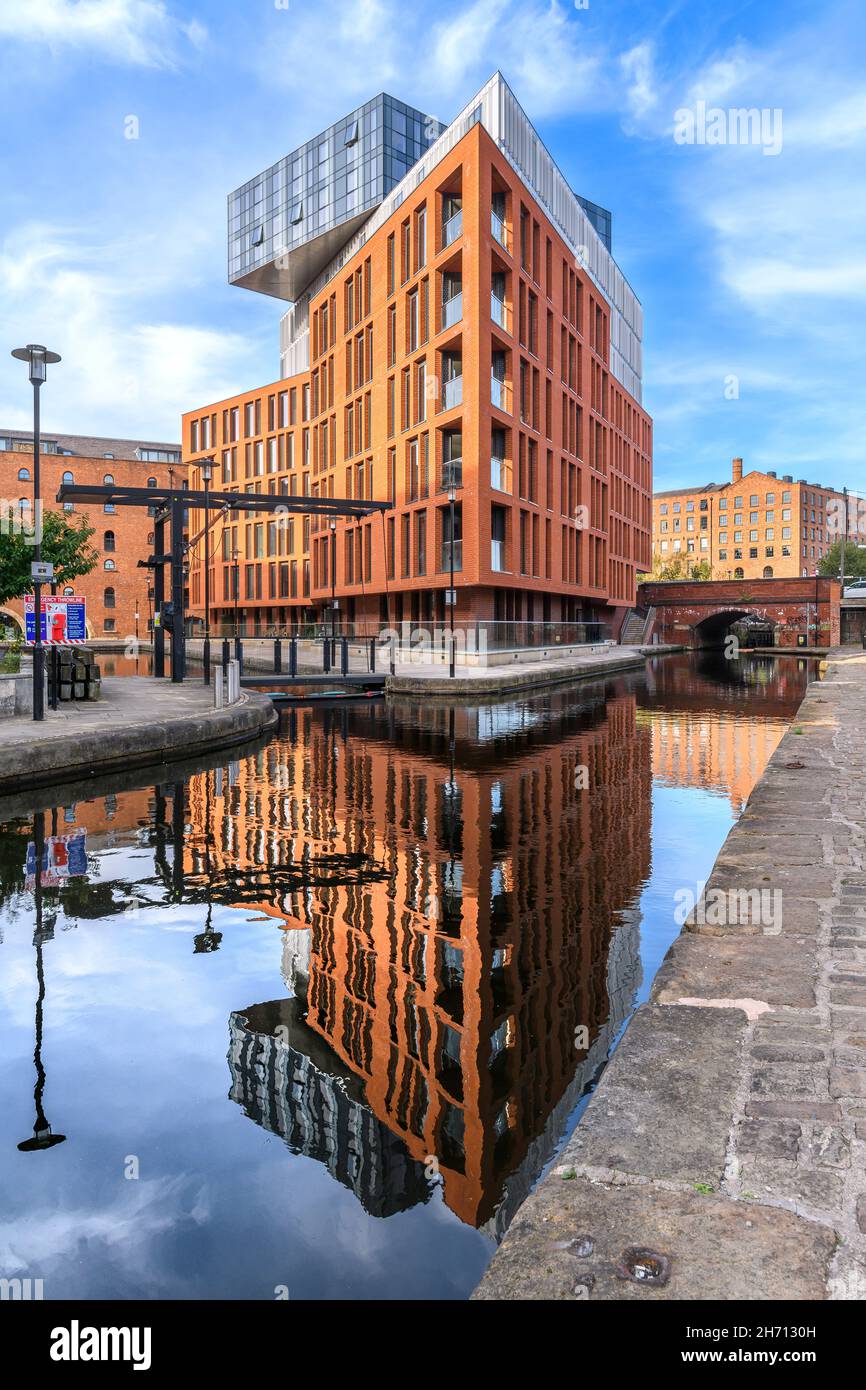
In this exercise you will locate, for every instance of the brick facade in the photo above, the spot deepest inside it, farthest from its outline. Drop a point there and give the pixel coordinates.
(116, 588)
(506, 389)
(758, 526)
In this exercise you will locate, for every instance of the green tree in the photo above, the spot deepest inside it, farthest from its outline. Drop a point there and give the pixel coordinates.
(855, 561)
(677, 567)
(64, 543)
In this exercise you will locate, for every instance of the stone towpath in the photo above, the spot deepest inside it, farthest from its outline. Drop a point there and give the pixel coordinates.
(137, 721)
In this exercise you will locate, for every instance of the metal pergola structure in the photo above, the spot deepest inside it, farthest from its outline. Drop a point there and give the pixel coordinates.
(169, 504)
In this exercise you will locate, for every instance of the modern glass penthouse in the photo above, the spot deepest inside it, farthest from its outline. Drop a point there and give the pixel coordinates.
(464, 327)
(285, 225)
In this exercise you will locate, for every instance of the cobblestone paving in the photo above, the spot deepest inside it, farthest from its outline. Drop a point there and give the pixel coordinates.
(734, 1111)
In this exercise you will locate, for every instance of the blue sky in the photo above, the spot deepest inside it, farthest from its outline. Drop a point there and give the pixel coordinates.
(112, 250)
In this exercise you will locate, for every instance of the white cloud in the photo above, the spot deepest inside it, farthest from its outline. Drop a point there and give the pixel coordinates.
(436, 59)
(638, 67)
(128, 368)
(139, 32)
(125, 1231)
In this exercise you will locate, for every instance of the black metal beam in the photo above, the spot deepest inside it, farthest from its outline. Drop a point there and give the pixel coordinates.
(158, 598)
(233, 501)
(178, 636)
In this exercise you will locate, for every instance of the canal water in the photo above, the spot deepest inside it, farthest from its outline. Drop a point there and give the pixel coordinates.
(311, 1020)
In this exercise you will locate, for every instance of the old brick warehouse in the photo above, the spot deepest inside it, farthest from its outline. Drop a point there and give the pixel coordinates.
(116, 589)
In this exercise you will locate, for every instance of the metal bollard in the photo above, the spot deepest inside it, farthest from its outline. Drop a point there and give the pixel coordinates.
(226, 653)
(372, 653)
(293, 657)
(326, 655)
(278, 656)
(233, 682)
(344, 656)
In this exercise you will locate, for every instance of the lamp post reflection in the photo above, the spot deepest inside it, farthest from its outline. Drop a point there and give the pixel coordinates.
(42, 1137)
(208, 941)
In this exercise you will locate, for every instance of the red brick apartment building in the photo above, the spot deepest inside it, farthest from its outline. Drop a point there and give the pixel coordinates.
(463, 325)
(116, 589)
(757, 526)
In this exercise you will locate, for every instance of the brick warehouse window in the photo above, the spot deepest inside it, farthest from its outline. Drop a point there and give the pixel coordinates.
(108, 598)
(108, 542)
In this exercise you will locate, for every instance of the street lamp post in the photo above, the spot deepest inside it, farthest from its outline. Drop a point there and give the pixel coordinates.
(333, 526)
(37, 359)
(236, 577)
(206, 474)
(844, 540)
(452, 498)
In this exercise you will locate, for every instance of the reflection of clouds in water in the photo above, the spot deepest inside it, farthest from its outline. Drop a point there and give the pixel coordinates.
(143, 1211)
(88, 970)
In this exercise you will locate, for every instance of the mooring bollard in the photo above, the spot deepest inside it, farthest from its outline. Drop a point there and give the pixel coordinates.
(233, 682)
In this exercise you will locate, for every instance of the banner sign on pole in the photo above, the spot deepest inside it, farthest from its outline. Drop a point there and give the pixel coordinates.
(64, 619)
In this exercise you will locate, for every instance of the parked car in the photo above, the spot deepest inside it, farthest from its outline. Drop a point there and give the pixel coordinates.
(856, 589)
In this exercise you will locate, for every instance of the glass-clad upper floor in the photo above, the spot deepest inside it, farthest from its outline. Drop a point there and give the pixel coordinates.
(600, 218)
(287, 223)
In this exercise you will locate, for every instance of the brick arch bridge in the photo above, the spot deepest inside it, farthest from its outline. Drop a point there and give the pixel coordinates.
(697, 613)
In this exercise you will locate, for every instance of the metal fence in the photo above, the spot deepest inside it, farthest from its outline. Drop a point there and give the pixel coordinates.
(491, 636)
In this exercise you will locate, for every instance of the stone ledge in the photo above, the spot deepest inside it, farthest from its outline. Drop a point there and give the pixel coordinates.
(143, 721)
(502, 682)
(663, 1108)
(571, 1241)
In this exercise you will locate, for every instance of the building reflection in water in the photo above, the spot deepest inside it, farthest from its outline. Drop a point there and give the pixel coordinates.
(696, 742)
(457, 891)
(457, 895)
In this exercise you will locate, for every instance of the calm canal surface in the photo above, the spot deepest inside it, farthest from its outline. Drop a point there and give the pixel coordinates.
(307, 1018)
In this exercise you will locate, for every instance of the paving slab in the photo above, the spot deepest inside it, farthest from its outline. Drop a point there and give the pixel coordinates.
(580, 1241)
(769, 970)
(665, 1110)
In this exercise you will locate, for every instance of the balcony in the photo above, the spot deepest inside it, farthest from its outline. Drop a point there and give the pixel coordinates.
(452, 310)
(452, 229)
(452, 392)
(452, 474)
(499, 230)
(500, 474)
(499, 312)
(445, 564)
(499, 393)
(497, 557)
